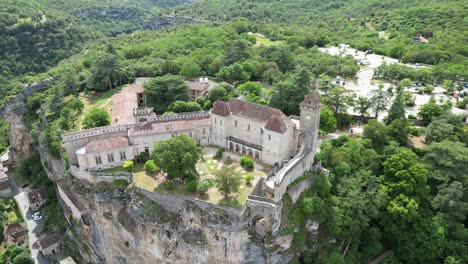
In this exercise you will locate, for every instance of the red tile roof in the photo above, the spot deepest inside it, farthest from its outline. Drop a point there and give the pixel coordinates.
(276, 124)
(221, 108)
(198, 86)
(107, 143)
(13, 229)
(256, 112)
(167, 127)
(50, 240)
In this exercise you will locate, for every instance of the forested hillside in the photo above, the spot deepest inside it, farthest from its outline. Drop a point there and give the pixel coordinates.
(357, 22)
(35, 35)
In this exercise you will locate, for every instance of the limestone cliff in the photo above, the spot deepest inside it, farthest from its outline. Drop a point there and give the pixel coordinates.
(130, 228)
(14, 112)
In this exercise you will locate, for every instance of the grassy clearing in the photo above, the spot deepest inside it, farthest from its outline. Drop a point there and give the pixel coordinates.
(263, 41)
(98, 100)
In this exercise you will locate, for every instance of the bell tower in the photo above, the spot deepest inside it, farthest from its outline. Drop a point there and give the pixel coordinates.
(310, 112)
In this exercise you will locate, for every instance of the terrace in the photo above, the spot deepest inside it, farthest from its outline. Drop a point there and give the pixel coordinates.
(206, 168)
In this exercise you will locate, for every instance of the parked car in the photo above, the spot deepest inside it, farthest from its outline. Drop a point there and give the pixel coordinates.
(365, 62)
(37, 217)
(369, 51)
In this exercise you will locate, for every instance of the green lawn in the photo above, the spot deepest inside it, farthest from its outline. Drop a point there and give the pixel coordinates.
(266, 41)
(98, 100)
(12, 210)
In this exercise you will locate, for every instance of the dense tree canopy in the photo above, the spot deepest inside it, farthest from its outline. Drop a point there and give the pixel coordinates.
(162, 91)
(177, 156)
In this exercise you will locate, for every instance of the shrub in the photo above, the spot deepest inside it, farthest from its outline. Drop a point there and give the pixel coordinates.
(415, 131)
(408, 99)
(120, 183)
(128, 165)
(203, 187)
(247, 163)
(429, 89)
(143, 157)
(150, 166)
(168, 185)
(191, 186)
(219, 153)
(412, 116)
(248, 178)
(462, 103)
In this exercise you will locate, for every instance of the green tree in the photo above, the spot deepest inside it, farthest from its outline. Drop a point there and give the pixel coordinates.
(220, 93)
(177, 156)
(183, 107)
(397, 110)
(70, 81)
(287, 95)
(237, 51)
(438, 131)
(76, 105)
(96, 117)
(106, 73)
(251, 91)
(405, 84)
(377, 133)
(150, 166)
(162, 91)
(338, 99)
(234, 73)
(405, 175)
(190, 69)
(430, 111)
(203, 187)
(23, 258)
(227, 180)
(56, 102)
(380, 100)
(399, 130)
(327, 120)
(362, 105)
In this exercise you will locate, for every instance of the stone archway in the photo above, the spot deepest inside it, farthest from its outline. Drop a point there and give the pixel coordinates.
(244, 150)
(231, 146)
(250, 152)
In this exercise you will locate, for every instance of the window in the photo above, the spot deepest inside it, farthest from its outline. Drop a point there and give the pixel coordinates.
(215, 121)
(204, 131)
(221, 122)
(248, 127)
(269, 137)
(98, 159)
(235, 123)
(110, 158)
(123, 156)
(261, 130)
(190, 134)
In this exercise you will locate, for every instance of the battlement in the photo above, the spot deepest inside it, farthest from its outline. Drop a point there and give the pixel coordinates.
(181, 116)
(95, 132)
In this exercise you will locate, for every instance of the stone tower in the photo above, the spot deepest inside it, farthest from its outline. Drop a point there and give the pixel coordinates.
(310, 112)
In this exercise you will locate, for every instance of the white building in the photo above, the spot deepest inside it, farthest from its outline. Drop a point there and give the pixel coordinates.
(261, 132)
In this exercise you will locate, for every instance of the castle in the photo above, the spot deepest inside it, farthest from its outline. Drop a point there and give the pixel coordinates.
(265, 134)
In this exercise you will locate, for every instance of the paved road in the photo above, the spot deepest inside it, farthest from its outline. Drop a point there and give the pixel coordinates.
(364, 83)
(34, 227)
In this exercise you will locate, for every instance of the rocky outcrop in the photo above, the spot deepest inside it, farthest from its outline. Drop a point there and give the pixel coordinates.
(115, 13)
(160, 22)
(130, 228)
(14, 112)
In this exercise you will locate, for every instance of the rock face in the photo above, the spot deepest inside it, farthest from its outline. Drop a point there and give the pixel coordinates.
(134, 229)
(14, 112)
(160, 22)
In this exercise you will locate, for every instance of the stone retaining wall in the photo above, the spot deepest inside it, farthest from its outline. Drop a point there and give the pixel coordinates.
(296, 191)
